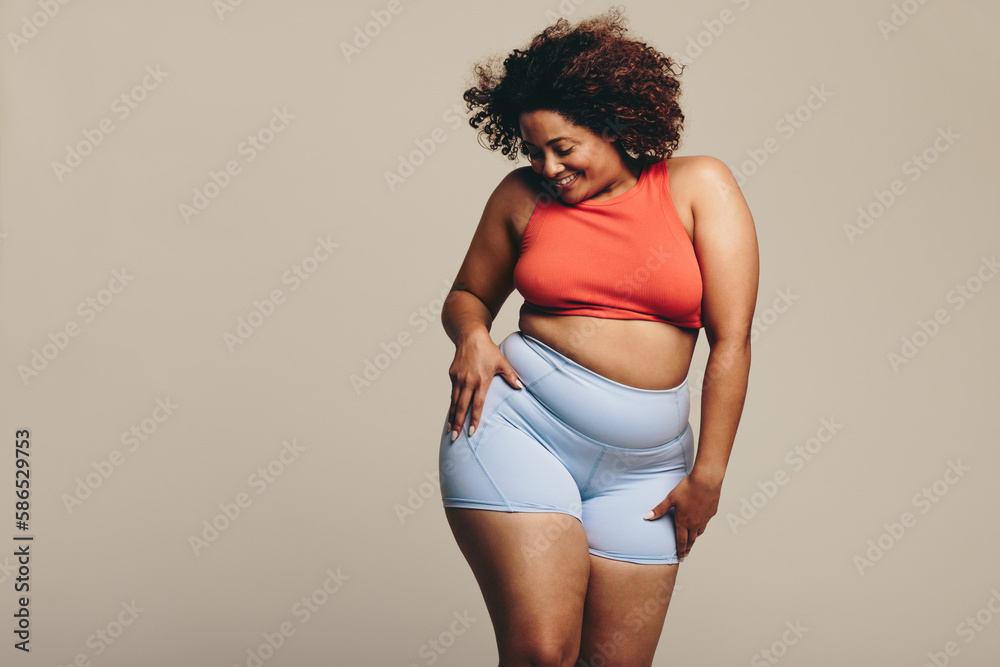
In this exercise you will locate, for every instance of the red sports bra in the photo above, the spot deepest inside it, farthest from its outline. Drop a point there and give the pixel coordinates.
(625, 258)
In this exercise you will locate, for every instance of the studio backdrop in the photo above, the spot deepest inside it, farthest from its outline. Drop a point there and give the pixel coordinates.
(226, 231)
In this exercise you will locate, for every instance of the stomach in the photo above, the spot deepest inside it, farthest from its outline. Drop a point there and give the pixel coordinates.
(639, 353)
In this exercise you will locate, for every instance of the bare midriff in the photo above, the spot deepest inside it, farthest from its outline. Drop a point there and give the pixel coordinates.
(639, 353)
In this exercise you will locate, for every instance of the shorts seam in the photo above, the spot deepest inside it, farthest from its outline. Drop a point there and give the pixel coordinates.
(542, 376)
(640, 560)
(482, 425)
(482, 466)
(684, 454)
(509, 507)
(593, 471)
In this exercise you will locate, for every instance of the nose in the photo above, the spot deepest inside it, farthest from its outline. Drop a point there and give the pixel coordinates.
(551, 167)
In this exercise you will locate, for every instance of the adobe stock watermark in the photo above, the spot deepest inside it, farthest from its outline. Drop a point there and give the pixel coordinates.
(796, 458)
(765, 319)
(295, 276)
(249, 149)
(923, 500)
(417, 496)
(364, 34)
(959, 295)
(899, 16)
(259, 481)
(915, 166)
(714, 27)
(425, 147)
(105, 636)
(32, 23)
(563, 523)
(132, 439)
(968, 629)
(224, 7)
(435, 647)
(88, 309)
(420, 320)
(7, 570)
(636, 619)
(122, 107)
(565, 9)
(772, 654)
(302, 611)
(762, 321)
(790, 123)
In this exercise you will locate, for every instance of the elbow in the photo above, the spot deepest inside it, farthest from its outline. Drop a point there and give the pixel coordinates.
(732, 341)
(730, 352)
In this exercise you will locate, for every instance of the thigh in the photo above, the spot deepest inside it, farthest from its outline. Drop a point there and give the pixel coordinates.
(533, 569)
(624, 612)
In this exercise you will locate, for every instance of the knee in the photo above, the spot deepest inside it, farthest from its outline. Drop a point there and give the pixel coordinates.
(542, 652)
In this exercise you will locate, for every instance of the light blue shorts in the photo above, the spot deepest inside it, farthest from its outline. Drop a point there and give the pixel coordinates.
(575, 442)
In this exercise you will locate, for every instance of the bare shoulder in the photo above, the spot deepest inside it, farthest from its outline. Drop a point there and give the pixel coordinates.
(705, 186)
(698, 176)
(517, 194)
(726, 245)
(488, 267)
(520, 185)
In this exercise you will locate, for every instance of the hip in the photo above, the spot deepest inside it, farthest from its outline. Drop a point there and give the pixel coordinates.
(596, 407)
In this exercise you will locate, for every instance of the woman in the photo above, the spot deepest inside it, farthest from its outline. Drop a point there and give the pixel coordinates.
(568, 468)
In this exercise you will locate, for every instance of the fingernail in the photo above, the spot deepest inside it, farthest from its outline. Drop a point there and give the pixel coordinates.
(518, 381)
(454, 435)
(472, 429)
(649, 515)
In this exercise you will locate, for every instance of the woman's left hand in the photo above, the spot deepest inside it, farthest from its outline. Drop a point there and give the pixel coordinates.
(695, 500)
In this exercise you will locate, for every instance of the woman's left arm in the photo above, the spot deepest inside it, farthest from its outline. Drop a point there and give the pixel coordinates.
(726, 245)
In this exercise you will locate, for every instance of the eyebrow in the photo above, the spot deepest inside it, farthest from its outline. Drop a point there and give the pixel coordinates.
(550, 141)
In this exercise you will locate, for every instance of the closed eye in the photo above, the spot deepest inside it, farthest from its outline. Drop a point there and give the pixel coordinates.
(561, 153)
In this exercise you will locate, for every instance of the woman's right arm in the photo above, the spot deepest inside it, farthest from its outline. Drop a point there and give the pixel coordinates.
(484, 281)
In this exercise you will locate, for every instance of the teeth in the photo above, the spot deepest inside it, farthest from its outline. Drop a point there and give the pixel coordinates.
(567, 179)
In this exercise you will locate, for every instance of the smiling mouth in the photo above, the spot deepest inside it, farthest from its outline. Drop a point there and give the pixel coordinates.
(566, 182)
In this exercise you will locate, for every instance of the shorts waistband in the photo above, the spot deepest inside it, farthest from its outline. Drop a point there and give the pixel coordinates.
(598, 407)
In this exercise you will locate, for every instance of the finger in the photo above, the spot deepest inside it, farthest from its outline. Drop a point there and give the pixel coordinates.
(511, 377)
(478, 400)
(453, 407)
(660, 509)
(683, 543)
(461, 409)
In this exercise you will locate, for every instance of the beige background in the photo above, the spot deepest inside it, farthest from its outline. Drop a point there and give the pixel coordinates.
(364, 455)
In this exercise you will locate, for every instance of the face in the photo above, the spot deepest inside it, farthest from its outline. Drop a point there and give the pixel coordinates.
(578, 163)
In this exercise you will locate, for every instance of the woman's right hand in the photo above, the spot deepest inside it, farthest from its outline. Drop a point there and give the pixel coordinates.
(477, 360)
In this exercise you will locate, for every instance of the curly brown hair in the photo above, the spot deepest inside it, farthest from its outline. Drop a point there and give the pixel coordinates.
(592, 74)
